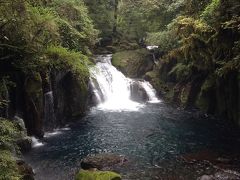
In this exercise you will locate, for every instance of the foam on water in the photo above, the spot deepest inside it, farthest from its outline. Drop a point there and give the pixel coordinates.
(112, 89)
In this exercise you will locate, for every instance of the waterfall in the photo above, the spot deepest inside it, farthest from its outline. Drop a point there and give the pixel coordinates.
(151, 92)
(112, 90)
(36, 142)
(49, 115)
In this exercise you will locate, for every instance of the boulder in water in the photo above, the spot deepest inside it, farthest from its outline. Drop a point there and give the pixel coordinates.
(102, 161)
(97, 175)
(138, 93)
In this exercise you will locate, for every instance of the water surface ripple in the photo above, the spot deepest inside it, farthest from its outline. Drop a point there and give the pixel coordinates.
(154, 139)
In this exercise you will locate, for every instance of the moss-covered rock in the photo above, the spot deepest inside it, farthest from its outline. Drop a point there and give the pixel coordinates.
(133, 63)
(69, 76)
(10, 133)
(8, 166)
(206, 99)
(103, 161)
(97, 175)
(184, 94)
(4, 99)
(70, 93)
(227, 97)
(68, 60)
(165, 90)
(138, 93)
(25, 170)
(34, 104)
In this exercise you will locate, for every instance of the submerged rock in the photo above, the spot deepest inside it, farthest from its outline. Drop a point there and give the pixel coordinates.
(102, 161)
(97, 175)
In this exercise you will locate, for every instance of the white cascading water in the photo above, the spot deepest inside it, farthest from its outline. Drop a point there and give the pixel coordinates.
(112, 89)
(150, 92)
(49, 114)
(36, 142)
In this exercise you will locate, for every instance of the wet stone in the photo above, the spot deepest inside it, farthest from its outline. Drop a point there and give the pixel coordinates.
(102, 161)
(25, 170)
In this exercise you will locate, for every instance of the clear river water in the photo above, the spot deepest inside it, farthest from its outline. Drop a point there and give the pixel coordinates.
(159, 141)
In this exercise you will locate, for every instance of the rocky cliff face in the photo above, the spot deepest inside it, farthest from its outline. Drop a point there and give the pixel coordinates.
(70, 96)
(187, 86)
(45, 100)
(203, 90)
(133, 63)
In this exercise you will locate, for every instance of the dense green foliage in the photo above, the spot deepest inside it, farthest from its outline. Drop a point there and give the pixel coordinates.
(9, 133)
(198, 59)
(128, 20)
(28, 28)
(198, 41)
(8, 167)
(37, 36)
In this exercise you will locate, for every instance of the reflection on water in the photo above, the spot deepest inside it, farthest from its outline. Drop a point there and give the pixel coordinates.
(155, 139)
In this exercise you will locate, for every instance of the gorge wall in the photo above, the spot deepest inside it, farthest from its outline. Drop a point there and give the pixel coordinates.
(184, 86)
(45, 100)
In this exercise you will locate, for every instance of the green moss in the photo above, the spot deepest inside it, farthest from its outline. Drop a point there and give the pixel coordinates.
(169, 94)
(97, 175)
(203, 99)
(62, 58)
(209, 83)
(181, 71)
(34, 85)
(151, 75)
(5, 83)
(184, 95)
(163, 88)
(9, 132)
(132, 62)
(75, 62)
(210, 10)
(8, 166)
(166, 40)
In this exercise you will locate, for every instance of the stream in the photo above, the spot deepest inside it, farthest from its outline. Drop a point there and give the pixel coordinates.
(158, 140)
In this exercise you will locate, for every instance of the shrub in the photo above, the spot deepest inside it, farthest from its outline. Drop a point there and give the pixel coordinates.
(181, 71)
(8, 166)
(210, 11)
(9, 132)
(166, 40)
(62, 58)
